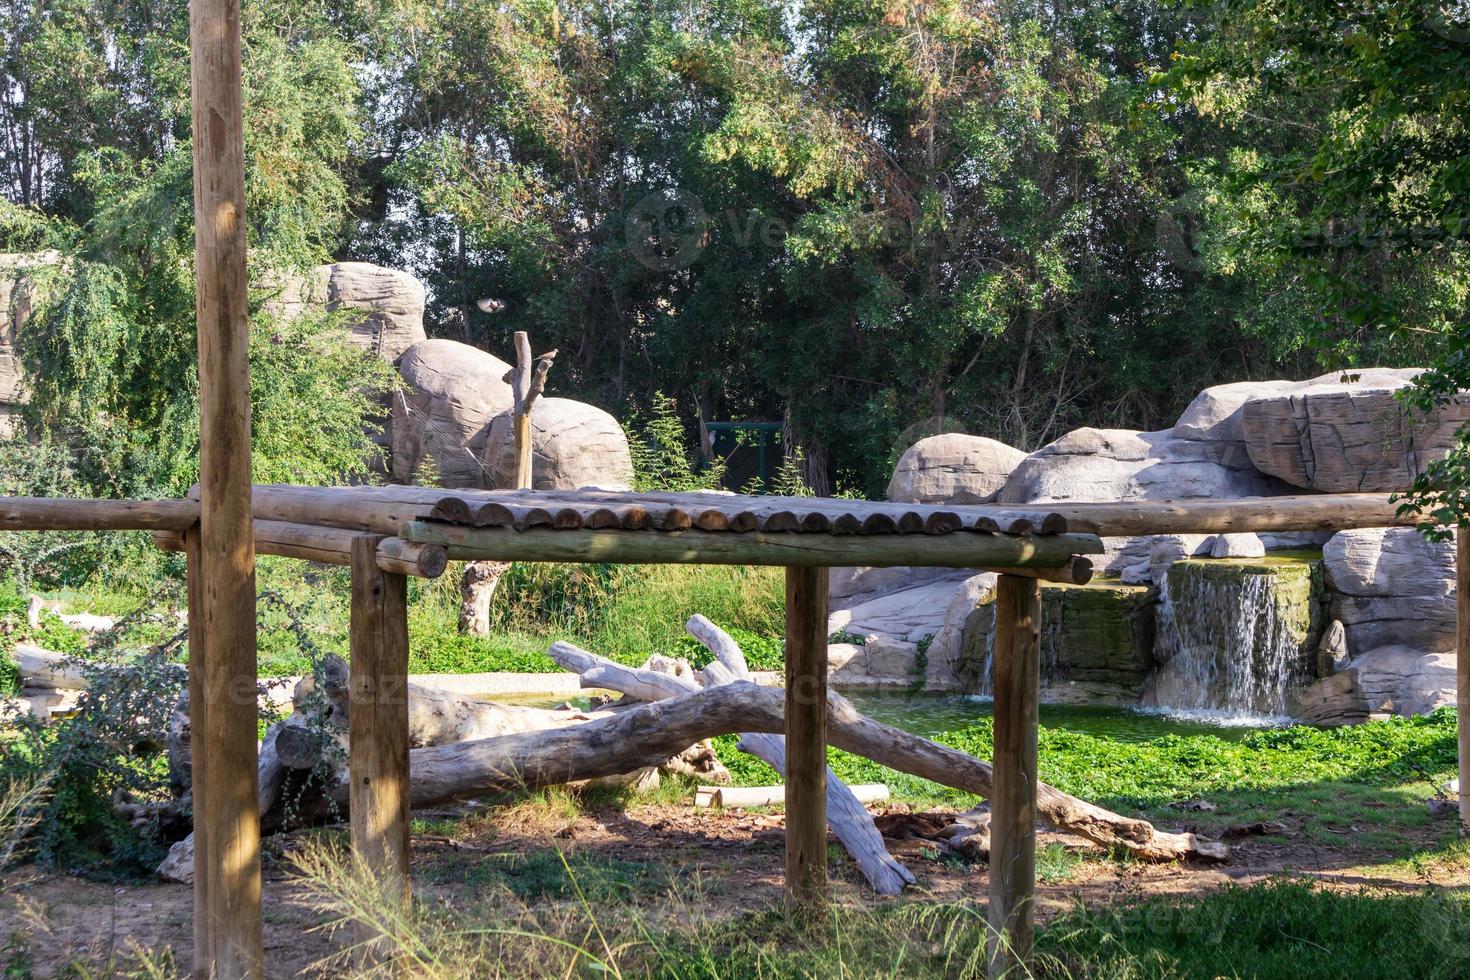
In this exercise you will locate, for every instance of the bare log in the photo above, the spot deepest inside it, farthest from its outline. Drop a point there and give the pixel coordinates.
(331, 546)
(846, 814)
(897, 749)
(70, 514)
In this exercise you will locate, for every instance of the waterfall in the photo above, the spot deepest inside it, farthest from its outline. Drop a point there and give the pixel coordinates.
(1231, 641)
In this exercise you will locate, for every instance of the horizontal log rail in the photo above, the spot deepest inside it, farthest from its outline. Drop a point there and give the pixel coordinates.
(94, 514)
(332, 546)
(1305, 512)
(755, 548)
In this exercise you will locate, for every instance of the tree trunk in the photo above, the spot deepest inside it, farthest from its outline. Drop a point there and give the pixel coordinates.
(476, 588)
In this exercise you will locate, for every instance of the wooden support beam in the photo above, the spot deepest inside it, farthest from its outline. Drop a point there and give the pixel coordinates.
(962, 549)
(1305, 512)
(332, 546)
(225, 800)
(378, 721)
(1013, 802)
(68, 514)
(1462, 665)
(806, 740)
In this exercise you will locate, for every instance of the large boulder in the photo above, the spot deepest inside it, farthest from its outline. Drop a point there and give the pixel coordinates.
(451, 393)
(1214, 420)
(573, 445)
(1348, 432)
(392, 300)
(1391, 587)
(1121, 464)
(1389, 680)
(953, 468)
(15, 309)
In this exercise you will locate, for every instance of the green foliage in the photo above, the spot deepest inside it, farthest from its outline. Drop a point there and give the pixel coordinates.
(106, 751)
(661, 459)
(761, 652)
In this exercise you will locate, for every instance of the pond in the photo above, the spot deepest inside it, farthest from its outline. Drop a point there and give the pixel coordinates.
(930, 714)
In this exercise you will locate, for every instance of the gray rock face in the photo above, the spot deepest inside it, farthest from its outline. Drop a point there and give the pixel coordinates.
(1338, 435)
(953, 468)
(452, 393)
(1238, 546)
(1392, 588)
(573, 445)
(15, 309)
(1214, 420)
(1388, 680)
(393, 301)
(1120, 464)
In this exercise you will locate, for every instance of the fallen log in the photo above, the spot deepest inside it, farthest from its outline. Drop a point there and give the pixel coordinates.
(756, 796)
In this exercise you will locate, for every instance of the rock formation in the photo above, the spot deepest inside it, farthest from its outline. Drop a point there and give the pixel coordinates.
(1361, 627)
(441, 419)
(953, 468)
(1341, 433)
(15, 309)
(392, 300)
(573, 444)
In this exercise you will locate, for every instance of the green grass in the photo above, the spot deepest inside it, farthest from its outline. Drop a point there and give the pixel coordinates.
(1282, 929)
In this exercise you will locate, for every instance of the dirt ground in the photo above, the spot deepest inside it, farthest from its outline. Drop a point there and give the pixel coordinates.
(723, 863)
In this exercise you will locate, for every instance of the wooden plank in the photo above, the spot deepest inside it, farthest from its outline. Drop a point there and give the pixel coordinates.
(1462, 665)
(968, 550)
(226, 743)
(378, 739)
(1013, 802)
(806, 740)
(67, 514)
(331, 546)
(380, 510)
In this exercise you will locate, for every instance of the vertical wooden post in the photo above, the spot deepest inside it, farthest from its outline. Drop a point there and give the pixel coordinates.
(806, 739)
(527, 381)
(378, 719)
(1013, 802)
(1462, 665)
(227, 819)
(198, 751)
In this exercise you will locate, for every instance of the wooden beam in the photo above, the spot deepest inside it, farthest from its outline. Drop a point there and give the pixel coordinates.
(962, 549)
(378, 721)
(228, 805)
(332, 546)
(1304, 512)
(1013, 803)
(806, 740)
(1462, 665)
(67, 514)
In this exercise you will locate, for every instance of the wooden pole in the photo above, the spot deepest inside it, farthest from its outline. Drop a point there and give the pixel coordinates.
(1462, 665)
(806, 740)
(1013, 803)
(378, 721)
(198, 751)
(225, 801)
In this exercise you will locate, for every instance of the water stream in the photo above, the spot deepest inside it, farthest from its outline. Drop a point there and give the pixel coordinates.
(1230, 643)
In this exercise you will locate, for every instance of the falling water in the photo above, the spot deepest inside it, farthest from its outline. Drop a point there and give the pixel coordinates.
(1229, 643)
(1053, 637)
